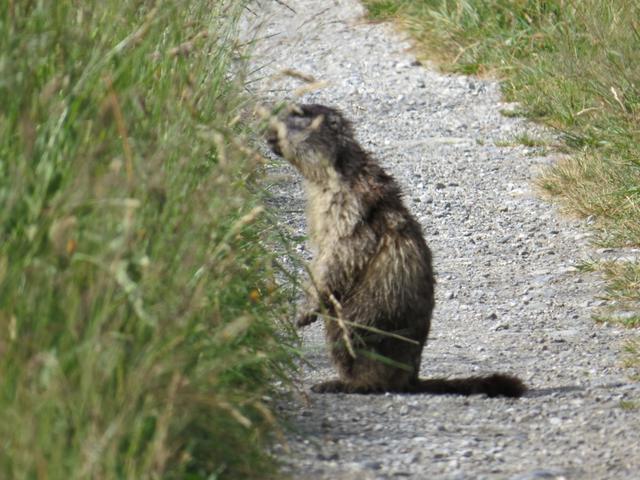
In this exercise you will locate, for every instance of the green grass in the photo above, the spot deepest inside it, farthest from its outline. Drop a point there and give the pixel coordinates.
(474, 36)
(632, 359)
(629, 405)
(526, 140)
(571, 64)
(383, 9)
(139, 332)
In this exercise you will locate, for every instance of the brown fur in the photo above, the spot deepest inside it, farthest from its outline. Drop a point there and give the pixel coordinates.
(372, 266)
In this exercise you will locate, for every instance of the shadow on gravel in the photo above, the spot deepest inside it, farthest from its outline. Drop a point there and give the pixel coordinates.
(542, 392)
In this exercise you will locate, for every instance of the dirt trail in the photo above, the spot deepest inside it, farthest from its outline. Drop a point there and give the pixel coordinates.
(509, 297)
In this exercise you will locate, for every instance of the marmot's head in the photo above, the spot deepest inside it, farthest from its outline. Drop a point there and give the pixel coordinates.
(313, 138)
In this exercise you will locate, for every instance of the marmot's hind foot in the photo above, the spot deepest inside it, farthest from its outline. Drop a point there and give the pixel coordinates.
(338, 386)
(331, 386)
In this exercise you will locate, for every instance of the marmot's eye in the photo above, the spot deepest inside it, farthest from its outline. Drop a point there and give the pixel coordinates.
(334, 122)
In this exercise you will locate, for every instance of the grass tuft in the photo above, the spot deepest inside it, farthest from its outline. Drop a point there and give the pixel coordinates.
(383, 9)
(139, 332)
(632, 359)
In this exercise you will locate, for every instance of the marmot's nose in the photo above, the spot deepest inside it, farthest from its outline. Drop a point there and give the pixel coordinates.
(272, 140)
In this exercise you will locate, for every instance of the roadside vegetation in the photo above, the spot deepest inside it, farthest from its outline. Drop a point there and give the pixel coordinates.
(138, 307)
(573, 65)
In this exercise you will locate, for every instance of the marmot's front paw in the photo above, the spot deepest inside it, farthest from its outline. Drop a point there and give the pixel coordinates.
(306, 318)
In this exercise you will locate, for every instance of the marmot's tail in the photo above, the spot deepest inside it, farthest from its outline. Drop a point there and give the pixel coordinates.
(496, 385)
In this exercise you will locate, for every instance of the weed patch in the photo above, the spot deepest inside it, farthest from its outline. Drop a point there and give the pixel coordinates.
(138, 307)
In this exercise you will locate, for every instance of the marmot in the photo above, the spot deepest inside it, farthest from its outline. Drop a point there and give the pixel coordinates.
(371, 277)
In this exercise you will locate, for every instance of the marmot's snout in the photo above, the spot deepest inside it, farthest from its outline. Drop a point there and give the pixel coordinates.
(272, 140)
(271, 134)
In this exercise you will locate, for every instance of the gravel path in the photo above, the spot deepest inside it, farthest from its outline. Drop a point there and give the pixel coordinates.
(509, 297)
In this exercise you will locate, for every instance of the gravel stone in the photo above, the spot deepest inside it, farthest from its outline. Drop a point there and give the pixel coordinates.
(509, 296)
